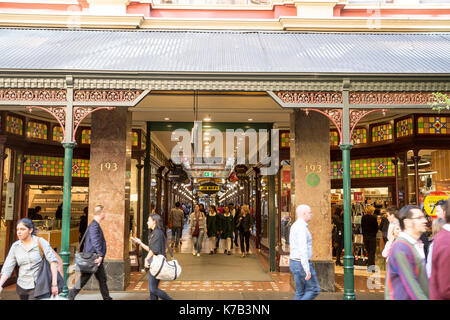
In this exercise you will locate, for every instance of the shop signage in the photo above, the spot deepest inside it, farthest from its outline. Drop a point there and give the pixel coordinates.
(430, 201)
(287, 176)
(9, 206)
(335, 197)
(208, 174)
(284, 260)
(358, 196)
(209, 188)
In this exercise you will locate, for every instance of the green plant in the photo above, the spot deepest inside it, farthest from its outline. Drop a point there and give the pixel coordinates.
(441, 101)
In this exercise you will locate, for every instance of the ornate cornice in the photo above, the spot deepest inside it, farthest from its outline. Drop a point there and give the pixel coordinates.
(200, 83)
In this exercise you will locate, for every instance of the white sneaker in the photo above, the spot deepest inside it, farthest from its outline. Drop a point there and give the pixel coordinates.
(193, 253)
(198, 254)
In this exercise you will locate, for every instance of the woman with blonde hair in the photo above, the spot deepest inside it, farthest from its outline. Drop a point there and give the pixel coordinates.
(244, 225)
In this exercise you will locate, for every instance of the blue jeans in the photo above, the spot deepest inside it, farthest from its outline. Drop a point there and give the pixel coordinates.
(155, 292)
(198, 240)
(304, 289)
(176, 235)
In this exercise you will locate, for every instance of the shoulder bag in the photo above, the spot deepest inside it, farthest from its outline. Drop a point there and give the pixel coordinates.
(85, 261)
(162, 269)
(43, 284)
(196, 231)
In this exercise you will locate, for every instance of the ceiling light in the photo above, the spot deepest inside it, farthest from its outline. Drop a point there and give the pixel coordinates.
(166, 119)
(250, 119)
(207, 118)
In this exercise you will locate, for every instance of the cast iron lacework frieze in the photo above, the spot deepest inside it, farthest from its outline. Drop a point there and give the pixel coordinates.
(106, 95)
(301, 97)
(391, 97)
(32, 95)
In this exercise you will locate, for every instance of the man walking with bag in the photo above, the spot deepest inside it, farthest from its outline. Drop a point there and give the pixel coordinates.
(300, 240)
(177, 220)
(94, 243)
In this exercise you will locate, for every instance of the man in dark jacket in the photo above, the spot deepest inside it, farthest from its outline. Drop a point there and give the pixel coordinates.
(95, 243)
(369, 228)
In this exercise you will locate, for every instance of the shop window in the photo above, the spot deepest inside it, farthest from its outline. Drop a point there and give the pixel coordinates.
(359, 136)
(334, 138)
(86, 136)
(382, 133)
(14, 125)
(433, 125)
(404, 128)
(37, 130)
(57, 134)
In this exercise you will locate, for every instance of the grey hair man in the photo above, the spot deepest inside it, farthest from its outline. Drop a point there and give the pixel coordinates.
(306, 284)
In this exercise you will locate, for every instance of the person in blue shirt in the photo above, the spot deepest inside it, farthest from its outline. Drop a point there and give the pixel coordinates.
(306, 283)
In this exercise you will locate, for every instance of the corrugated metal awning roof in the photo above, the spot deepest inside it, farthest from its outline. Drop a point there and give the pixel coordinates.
(224, 51)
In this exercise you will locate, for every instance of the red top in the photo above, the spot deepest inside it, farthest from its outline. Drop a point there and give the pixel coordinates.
(440, 275)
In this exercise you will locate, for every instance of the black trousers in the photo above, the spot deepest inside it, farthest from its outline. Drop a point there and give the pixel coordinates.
(245, 235)
(370, 243)
(28, 294)
(236, 235)
(100, 274)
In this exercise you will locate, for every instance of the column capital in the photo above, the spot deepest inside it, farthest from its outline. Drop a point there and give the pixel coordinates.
(70, 145)
(346, 146)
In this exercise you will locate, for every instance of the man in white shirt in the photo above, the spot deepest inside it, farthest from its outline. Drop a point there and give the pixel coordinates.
(306, 284)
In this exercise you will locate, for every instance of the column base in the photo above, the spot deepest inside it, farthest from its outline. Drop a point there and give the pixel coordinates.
(325, 275)
(117, 273)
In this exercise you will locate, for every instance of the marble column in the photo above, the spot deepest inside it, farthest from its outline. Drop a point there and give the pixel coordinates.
(109, 185)
(310, 162)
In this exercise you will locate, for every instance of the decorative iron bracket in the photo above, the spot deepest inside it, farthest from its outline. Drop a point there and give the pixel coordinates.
(79, 114)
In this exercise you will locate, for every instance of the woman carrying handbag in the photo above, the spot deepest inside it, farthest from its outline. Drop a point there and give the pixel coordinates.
(26, 254)
(156, 246)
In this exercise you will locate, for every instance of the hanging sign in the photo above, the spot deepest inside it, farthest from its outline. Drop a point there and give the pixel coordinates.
(287, 176)
(430, 201)
(208, 174)
(209, 188)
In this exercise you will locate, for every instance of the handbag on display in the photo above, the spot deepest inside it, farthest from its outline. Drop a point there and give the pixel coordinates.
(43, 284)
(163, 269)
(85, 261)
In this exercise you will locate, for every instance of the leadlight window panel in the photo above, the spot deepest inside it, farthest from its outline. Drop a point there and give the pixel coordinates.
(57, 134)
(284, 140)
(359, 136)
(135, 139)
(54, 166)
(86, 136)
(14, 125)
(404, 128)
(37, 130)
(433, 125)
(382, 133)
(334, 138)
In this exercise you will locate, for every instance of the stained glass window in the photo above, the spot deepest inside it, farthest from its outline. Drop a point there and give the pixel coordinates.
(54, 166)
(365, 168)
(36, 130)
(359, 136)
(284, 140)
(382, 133)
(433, 125)
(14, 125)
(334, 138)
(135, 139)
(404, 128)
(57, 134)
(86, 136)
